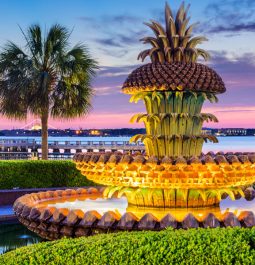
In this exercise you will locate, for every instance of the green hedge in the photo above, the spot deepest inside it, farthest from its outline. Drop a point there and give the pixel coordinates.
(40, 174)
(194, 246)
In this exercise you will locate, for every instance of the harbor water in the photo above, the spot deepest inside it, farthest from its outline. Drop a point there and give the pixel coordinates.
(226, 143)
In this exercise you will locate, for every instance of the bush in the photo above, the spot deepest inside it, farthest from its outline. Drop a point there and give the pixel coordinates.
(194, 246)
(40, 174)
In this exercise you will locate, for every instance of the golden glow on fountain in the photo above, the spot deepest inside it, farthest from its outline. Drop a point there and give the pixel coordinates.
(209, 176)
(165, 184)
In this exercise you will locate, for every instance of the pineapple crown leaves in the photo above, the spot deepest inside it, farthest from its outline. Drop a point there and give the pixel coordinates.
(174, 43)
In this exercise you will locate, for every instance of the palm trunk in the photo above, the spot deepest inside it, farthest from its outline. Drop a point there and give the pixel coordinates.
(44, 121)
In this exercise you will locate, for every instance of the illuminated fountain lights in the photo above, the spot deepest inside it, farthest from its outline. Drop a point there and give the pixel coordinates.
(173, 183)
(197, 182)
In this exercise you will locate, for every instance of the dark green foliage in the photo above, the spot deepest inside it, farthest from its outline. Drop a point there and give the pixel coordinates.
(194, 246)
(40, 174)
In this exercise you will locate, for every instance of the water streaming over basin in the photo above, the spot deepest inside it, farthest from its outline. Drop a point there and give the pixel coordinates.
(120, 206)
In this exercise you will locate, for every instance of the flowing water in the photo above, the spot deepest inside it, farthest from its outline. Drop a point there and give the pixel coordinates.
(120, 206)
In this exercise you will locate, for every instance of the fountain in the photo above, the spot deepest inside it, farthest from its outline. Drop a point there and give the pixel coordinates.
(173, 183)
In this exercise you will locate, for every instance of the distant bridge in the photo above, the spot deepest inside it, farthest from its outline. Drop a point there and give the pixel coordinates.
(35, 123)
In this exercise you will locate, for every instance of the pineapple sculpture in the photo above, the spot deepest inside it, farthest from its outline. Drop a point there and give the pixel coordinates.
(173, 87)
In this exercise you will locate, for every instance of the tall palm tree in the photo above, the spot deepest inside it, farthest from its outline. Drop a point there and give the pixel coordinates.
(47, 78)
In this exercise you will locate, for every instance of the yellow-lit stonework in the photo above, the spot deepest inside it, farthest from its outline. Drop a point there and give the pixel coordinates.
(169, 183)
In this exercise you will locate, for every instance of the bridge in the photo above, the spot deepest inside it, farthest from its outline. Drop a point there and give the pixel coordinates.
(65, 149)
(35, 125)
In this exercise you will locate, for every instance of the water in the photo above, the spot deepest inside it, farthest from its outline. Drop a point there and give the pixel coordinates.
(232, 144)
(15, 236)
(120, 206)
(226, 143)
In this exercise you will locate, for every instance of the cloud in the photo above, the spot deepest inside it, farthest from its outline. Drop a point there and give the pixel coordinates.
(86, 19)
(230, 16)
(117, 52)
(121, 40)
(109, 74)
(124, 18)
(235, 109)
(240, 68)
(108, 42)
(248, 27)
(107, 90)
(120, 37)
(114, 19)
(120, 45)
(109, 80)
(113, 72)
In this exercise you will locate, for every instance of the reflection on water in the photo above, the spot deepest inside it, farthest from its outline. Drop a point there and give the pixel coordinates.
(237, 206)
(101, 205)
(15, 236)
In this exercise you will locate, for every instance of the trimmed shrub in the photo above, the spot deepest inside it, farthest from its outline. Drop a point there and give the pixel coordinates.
(194, 246)
(40, 174)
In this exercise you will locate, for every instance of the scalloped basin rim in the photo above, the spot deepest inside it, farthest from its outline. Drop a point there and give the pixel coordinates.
(51, 222)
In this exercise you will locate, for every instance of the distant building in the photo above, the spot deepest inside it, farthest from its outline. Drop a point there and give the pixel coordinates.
(237, 132)
(95, 133)
(234, 131)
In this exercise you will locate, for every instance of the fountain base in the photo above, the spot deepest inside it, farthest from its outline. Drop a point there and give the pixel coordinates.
(56, 214)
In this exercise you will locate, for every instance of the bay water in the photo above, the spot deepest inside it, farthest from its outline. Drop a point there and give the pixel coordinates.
(226, 143)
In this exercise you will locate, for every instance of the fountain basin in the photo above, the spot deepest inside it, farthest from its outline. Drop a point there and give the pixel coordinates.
(170, 182)
(84, 212)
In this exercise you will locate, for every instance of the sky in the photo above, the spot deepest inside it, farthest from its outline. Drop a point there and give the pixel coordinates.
(111, 30)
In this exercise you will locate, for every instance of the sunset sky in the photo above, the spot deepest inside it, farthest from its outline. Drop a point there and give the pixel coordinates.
(111, 29)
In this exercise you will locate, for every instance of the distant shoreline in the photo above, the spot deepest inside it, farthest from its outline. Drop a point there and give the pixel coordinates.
(123, 132)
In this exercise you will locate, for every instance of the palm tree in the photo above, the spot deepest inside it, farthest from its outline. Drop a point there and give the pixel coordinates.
(47, 78)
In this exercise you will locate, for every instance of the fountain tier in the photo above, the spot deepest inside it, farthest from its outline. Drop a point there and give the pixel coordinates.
(180, 182)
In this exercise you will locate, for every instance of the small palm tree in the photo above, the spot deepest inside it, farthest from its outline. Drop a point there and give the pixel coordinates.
(47, 78)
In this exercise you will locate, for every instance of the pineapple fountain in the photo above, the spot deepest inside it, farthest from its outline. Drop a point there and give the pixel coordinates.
(173, 175)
